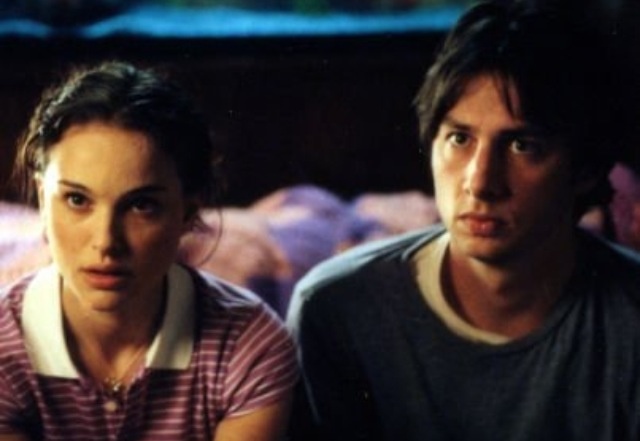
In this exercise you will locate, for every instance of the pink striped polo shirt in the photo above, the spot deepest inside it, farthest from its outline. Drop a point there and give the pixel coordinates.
(220, 352)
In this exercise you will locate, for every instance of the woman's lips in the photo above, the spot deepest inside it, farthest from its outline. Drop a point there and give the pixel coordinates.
(104, 279)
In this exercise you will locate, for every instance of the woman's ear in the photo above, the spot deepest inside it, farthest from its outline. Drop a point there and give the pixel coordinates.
(191, 209)
(39, 186)
(39, 183)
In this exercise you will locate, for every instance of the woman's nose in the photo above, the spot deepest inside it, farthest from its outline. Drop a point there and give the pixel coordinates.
(108, 234)
(486, 174)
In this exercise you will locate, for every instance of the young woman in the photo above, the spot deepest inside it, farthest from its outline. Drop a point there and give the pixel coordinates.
(115, 340)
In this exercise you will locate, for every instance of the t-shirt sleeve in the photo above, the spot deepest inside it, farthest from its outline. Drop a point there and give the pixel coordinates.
(263, 368)
(335, 403)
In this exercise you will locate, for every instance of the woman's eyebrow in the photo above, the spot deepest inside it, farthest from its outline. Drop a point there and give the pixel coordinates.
(74, 185)
(151, 188)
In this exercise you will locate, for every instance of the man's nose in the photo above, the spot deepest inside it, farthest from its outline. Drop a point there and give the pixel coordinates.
(487, 173)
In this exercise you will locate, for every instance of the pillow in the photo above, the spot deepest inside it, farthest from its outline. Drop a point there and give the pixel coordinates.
(22, 245)
(266, 247)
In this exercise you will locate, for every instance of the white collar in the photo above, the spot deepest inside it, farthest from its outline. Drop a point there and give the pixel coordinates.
(42, 325)
(428, 263)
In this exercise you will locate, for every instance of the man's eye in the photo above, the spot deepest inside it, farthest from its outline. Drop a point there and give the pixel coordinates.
(458, 139)
(525, 147)
(145, 205)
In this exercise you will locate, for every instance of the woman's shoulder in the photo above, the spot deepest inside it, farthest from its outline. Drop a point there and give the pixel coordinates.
(13, 357)
(11, 300)
(216, 297)
(230, 313)
(223, 293)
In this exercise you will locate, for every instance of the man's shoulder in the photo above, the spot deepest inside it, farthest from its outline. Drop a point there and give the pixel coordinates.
(611, 259)
(359, 263)
(615, 270)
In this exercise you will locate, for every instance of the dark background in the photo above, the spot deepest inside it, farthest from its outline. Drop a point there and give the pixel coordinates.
(334, 112)
(330, 110)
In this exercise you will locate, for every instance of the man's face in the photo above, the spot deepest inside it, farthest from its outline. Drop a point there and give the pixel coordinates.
(503, 188)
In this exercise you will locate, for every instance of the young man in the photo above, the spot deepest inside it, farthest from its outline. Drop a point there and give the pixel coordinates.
(507, 322)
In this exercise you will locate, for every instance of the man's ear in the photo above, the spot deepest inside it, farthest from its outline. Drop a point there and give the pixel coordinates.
(585, 180)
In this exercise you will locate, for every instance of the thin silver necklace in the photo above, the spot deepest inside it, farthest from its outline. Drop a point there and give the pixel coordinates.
(114, 386)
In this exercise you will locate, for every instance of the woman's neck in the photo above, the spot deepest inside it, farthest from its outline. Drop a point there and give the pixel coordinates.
(108, 343)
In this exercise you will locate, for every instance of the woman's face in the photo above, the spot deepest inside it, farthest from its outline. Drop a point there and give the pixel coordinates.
(114, 212)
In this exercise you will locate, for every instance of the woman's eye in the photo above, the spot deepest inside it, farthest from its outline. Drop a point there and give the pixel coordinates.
(76, 200)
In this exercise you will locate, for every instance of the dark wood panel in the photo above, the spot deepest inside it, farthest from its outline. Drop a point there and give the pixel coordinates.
(334, 112)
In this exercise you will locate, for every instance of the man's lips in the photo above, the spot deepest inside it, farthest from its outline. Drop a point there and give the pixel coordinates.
(483, 225)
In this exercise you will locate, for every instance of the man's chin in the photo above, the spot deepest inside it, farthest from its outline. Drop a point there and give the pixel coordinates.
(491, 251)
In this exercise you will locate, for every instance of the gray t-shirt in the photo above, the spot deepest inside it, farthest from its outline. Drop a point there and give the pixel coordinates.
(380, 365)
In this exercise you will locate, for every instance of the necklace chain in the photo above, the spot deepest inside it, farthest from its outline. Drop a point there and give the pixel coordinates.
(115, 385)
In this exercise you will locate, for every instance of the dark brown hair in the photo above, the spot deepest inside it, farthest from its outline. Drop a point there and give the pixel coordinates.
(133, 98)
(559, 68)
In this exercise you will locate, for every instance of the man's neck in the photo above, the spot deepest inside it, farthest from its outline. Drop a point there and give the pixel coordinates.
(512, 299)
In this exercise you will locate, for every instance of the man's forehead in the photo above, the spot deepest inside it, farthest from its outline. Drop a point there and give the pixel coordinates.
(496, 92)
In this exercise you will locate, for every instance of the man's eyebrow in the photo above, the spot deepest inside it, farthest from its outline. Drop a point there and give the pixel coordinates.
(452, 122)
(525, 129)
(152, 188)
(529, 130)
